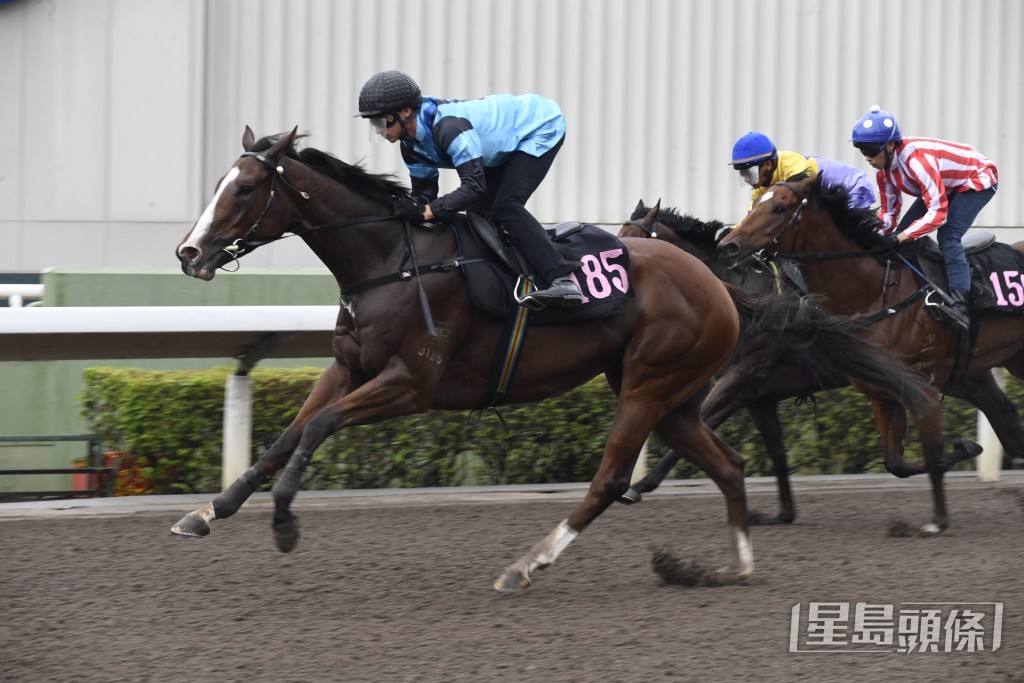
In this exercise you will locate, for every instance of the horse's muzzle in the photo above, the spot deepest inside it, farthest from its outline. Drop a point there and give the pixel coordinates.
(729, 253)
(191, 265)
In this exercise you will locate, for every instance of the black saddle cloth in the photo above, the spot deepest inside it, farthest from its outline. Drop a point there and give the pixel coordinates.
(493, 268)
(997, 271)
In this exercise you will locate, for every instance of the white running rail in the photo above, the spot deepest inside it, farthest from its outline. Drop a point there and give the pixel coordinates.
(16, 294)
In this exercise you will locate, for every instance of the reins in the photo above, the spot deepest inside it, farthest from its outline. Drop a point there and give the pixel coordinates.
(245, 244)
(767, 255)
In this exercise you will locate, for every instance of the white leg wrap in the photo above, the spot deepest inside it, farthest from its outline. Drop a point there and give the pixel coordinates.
(548, 550)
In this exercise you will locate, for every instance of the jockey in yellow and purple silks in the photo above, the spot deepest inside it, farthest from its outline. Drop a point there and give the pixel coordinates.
(761, 165)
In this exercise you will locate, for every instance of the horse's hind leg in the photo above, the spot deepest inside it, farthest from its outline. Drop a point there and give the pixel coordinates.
(684, 431)
(197, 522)
(985, 394)
(631, 426)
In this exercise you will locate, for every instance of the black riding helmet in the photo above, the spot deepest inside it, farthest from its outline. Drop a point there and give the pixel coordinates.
(388, 92)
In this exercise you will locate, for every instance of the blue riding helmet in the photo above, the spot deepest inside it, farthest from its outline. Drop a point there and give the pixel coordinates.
(752, 148)
(876, 127)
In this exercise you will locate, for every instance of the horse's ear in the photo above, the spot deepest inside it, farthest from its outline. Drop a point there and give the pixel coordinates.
(248, 139)
(282, 146)
(639, 207)
(652, 215)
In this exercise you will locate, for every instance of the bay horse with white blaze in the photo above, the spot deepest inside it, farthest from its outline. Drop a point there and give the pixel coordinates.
(843, 259)
(658, 351)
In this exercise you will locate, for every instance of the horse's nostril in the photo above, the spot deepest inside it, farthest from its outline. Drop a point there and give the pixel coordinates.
(188, 253)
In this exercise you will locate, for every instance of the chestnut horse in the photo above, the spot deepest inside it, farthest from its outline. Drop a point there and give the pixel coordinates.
(768, 374)
(843, 259)
(659, 351)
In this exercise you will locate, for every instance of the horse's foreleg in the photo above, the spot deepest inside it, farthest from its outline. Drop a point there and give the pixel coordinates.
(392, 393)
(197, 522)
(929, 426)
(652, 479)
(891, 422)
(765, 416)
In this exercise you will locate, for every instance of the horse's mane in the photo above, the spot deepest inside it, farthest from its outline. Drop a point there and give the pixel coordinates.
(383, 187)
(684, 225)
(860, 225)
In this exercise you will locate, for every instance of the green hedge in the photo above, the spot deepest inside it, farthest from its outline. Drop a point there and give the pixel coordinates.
(172, 421)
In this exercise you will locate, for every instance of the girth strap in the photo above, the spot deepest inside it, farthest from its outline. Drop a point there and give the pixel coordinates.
(405, 275)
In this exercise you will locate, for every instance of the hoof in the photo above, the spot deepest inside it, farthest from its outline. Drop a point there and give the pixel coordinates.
(513, 579)
(731, 573)
(630, 497)
(963, 449)
(932, 529)
(901, 471)
(191, 525)
(756, 519)
(286, 533)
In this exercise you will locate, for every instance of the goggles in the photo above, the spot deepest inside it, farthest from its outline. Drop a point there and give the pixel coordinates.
(382, 121)
(869, 150)
(750, 173)
(379, 124)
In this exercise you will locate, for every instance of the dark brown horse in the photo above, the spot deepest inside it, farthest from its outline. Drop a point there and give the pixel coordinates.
(842, 259)
(658, 351)
(767, 374)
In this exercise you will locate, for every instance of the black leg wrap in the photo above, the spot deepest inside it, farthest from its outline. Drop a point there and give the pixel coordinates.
(288, 483)
(228, 503)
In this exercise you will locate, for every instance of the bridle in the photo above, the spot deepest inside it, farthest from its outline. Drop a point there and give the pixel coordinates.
(245, 244)
(649, 231)
(769, 253)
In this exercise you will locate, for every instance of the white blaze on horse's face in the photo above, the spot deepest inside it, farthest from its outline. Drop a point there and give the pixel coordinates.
(766, 196)
(202, 225)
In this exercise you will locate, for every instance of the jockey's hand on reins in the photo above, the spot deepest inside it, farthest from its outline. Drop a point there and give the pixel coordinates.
(409, 209)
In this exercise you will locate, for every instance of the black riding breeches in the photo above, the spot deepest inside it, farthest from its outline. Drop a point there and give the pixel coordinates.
(509, 186)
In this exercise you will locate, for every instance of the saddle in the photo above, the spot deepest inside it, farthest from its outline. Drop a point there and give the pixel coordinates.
(996, 271)
(494, 268)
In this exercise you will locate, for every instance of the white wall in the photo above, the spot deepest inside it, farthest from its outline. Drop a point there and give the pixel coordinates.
(120, 115)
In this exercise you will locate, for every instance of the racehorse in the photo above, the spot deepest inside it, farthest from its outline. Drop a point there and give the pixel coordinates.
(658, 351)
(757, 380)
(842, 258)
(768, 374)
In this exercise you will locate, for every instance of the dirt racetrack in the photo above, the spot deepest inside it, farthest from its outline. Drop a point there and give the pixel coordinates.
(398, 588)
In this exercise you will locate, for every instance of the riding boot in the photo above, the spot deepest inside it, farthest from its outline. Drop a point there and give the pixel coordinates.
(563, 291)
(957, 310)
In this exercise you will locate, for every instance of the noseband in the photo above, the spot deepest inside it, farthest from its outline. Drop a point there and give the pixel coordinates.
(769, 252)
(650, 232)
(243, 244)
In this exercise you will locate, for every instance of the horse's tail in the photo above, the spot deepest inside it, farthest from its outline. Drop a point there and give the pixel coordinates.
(830, 345)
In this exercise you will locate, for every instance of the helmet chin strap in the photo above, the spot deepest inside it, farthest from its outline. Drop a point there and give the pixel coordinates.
(888, 154)
(771, 172)
(405, 131)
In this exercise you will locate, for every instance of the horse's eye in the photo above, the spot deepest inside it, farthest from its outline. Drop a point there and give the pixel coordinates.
(778, 209)
(245, 189)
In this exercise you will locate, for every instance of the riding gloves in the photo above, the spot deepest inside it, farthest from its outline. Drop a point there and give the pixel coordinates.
(409, 209)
